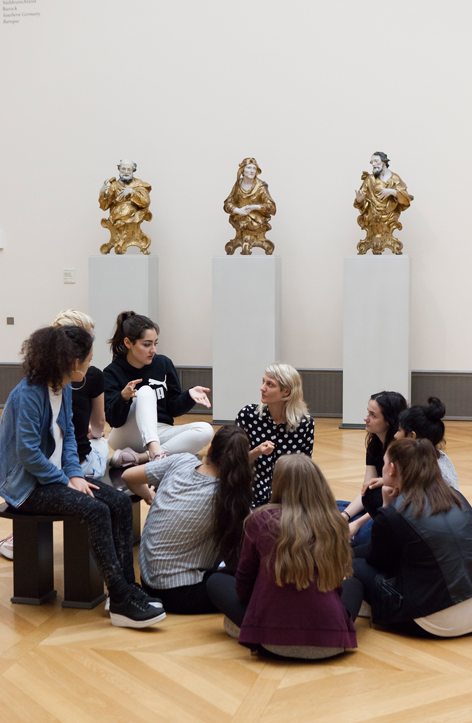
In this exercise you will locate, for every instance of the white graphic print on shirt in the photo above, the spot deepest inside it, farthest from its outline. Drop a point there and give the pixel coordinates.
(159, 387)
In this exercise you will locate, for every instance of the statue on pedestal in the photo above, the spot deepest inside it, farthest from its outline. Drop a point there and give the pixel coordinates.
(128, 201)
(250, 207)
(381, 199)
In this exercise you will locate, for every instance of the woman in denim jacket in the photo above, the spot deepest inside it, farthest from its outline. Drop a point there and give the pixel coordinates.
(40, 471)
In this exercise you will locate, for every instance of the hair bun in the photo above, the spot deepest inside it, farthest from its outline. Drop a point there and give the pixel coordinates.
(436, 409)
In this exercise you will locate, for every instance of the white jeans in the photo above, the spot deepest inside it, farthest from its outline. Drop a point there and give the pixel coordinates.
(96, 461)
(142, 426)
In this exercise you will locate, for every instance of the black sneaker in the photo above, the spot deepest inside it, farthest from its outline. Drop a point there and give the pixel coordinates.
(156, 601)
(135, 612)
(142, 594)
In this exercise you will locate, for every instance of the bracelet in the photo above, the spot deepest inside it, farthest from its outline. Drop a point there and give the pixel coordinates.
(344, 512)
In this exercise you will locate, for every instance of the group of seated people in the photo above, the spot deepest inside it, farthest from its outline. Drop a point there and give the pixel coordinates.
(253, 529)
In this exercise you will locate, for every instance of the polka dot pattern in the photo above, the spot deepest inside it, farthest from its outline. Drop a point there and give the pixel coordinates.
(264, 429)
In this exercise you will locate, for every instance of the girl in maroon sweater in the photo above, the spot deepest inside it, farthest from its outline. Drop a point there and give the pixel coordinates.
(288, 596)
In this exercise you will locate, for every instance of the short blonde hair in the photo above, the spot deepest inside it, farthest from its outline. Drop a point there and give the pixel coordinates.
(71, 317)
(295, 406)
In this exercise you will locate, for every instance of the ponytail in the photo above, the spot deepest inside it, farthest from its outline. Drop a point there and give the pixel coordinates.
(129, 326)
(229, 452)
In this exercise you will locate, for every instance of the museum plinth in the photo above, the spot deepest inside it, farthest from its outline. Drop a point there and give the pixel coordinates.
(246, 329)
(120, 283)
(376, 348)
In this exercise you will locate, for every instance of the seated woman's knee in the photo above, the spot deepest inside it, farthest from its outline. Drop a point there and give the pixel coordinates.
(206, 431)
(146, 391)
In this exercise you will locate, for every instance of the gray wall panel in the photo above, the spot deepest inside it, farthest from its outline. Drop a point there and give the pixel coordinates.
(322, 388)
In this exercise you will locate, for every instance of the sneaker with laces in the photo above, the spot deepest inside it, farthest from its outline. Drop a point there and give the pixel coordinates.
(154, 601)
(6, 547)
(135, 612)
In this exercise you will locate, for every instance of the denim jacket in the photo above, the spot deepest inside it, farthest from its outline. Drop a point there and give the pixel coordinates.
(27, 442)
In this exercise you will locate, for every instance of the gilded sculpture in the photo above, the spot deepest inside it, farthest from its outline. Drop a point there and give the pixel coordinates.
(128, 200)
(250, 207)
(381, 199)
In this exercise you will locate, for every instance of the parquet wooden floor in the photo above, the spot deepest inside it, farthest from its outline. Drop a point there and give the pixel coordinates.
(72, 666)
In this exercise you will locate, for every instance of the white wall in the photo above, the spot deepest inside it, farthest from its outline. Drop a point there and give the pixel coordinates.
(187, 89)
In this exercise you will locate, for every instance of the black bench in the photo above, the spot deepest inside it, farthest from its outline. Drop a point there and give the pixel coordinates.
(33, 557)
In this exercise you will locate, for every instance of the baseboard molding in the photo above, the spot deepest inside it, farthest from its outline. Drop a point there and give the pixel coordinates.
(323, 388)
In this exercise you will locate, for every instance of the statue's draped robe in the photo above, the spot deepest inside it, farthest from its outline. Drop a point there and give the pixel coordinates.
(256, 222)
(387, 212)
(132, 209)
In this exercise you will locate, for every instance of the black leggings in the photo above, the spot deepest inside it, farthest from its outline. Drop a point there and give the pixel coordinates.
(222, 591)
(110, 520)
(187, 599)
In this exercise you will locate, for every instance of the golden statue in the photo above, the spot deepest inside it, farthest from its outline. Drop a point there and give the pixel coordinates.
(250, 207)
(381, 199)
(128, 201)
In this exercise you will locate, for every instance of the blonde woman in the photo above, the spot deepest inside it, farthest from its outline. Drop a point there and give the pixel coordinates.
(288, 596)
(88, 405)
(278, 425)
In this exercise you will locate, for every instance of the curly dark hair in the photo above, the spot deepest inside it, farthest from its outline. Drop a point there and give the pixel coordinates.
(49, 354)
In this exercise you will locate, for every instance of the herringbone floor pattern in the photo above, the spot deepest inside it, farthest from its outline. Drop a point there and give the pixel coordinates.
(72, 666)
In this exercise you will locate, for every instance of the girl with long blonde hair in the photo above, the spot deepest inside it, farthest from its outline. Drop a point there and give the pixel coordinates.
(280, 424)
(290, 595)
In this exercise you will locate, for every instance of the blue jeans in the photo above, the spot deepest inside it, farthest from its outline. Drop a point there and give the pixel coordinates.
(363, 536)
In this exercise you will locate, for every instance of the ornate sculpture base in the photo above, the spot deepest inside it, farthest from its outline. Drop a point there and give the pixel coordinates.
(378, 243)
(124, 235)
(248, 242)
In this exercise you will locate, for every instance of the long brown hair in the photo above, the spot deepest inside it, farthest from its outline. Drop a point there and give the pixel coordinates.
(312, 536)
(421, 478)
(229, 452)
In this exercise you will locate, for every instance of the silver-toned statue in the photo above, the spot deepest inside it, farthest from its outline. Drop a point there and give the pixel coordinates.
(381, 199)
(128, 200)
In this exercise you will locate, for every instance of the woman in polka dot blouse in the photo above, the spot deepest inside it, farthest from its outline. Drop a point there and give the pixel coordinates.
(279, 425)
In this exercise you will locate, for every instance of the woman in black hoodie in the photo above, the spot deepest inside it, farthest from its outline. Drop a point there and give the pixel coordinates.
(143, 395)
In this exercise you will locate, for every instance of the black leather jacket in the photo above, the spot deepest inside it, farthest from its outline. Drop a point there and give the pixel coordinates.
(425, 564)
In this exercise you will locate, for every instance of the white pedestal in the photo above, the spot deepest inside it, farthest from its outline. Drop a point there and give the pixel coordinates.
(246, 328)
(376, 331)
(116, 284)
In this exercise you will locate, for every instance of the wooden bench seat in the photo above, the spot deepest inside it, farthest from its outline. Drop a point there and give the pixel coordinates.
(33, 557)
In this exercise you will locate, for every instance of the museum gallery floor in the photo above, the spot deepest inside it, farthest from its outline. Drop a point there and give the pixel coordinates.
(59, 665)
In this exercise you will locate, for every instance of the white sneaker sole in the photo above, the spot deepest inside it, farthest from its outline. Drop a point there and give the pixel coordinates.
(6, 552)
(121, 621)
